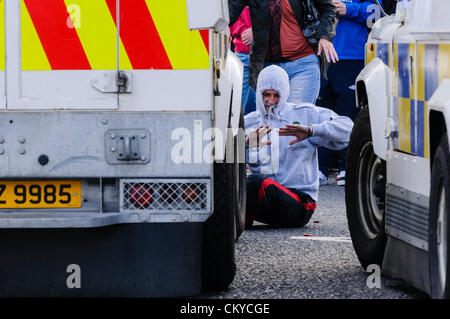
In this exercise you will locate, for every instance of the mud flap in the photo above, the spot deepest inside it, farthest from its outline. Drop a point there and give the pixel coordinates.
(129, 260)
(398, 260)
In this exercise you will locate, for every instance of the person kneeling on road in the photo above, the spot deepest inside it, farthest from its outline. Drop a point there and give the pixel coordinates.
(283, 189)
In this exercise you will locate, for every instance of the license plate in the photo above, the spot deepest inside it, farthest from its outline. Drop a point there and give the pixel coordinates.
(40, 194)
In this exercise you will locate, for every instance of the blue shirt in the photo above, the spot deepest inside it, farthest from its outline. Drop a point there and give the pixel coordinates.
(351, 31)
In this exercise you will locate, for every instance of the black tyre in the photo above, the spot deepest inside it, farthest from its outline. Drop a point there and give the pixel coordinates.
(225, 224)
(439, 222)
(365, 194)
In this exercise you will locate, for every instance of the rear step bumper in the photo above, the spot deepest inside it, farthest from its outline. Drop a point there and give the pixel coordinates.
(66, 220)
(89, 220)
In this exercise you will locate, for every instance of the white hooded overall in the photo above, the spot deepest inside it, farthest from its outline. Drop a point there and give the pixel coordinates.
(292, 166)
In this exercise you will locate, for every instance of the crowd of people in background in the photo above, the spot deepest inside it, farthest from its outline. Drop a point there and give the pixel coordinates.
(338, 89)
(242, 34)
(299, 85)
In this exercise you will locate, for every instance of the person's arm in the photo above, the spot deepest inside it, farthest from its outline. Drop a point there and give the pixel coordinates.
(359, 12)
(327, 31)
(300, 132)
(235, 8)
(238, 28)
(247, 36)
(327, 12)
(328, 129)
(255, 141)
(332, 131)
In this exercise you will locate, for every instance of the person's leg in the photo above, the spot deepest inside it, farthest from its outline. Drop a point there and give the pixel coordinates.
(324, 155)
(347, 71)
(244, 57)
(326, 96)
(326, 99)
(281, 207)
(304, 79)
(345, 102)
(254, 182)
(251, 101)
(308, 204)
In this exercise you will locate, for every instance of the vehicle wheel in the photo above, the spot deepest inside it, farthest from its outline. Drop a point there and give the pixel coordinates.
(365, 194)
(220, 230)
(439, 222)
(241, 180)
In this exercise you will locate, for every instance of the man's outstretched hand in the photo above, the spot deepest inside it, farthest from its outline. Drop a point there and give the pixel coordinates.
(254, 138)
(297, 130)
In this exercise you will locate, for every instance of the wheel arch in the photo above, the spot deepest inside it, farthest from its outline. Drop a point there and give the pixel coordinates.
(438, 117)
(372, 83)
(227, 103)
(438, 128)
(235, 71)
(361, 94)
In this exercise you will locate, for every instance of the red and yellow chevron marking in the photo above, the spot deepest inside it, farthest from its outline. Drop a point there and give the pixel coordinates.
(175, 36)
(82, 35)
(139, 35)
(61, 43)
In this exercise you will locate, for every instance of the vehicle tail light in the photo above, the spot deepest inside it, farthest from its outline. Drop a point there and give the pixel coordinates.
(191, 194)
(141, 196)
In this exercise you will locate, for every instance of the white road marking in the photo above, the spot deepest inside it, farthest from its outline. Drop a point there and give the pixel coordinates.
(333, 239)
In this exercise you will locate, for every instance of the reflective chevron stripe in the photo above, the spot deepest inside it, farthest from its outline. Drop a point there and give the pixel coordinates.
(175, 36)
(96, 31)
(82, 35)
(60, 42)
(140, 37)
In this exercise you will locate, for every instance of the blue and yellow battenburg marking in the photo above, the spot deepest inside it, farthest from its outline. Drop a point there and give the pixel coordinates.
(380, 50)
(410, 108)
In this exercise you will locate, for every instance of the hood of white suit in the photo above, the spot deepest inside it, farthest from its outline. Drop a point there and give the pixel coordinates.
(272, 78)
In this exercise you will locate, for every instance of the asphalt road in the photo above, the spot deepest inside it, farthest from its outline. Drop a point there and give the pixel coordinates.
(285, 264)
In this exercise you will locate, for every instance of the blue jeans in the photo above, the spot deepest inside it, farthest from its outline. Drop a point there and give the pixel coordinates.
(248, 94)
(304, 78)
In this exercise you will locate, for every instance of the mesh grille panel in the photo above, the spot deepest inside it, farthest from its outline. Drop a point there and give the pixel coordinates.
(164, 195)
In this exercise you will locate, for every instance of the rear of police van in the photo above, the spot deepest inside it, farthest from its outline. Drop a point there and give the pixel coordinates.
(103, 104)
